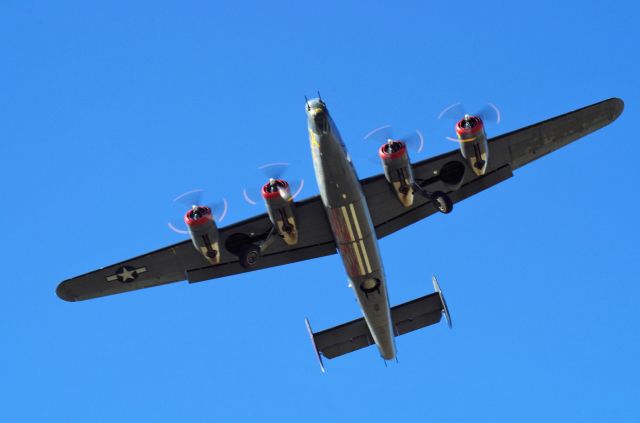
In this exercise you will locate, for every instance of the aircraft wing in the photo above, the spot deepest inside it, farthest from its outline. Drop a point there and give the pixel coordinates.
(506, 153)
(181, 261)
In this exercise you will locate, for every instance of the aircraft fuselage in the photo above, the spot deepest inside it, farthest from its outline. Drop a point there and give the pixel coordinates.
(353, 230)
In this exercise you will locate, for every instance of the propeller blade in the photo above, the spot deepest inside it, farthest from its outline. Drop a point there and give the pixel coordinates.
(177, 230)
(459, 140)
(489, 113)
(274, 170)
(248, 199)
(219, 210)
(415, 141)
(284, 194)
(292, 192)
(190, 198)
(454, 111)
(185, 201)
(382, 134)
(299, 190)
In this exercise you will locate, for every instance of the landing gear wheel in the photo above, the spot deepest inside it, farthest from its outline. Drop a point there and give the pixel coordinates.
(249, 256)
(442, 202)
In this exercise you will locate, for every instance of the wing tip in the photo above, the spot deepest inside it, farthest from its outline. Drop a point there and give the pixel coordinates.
(617, 107)
(64, 293)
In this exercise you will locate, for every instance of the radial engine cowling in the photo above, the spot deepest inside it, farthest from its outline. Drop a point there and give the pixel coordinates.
(280, 207)
(204, 232)
(397, 169)
(473, 143)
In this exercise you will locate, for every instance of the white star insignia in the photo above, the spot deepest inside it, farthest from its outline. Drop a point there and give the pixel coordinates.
(126, 274)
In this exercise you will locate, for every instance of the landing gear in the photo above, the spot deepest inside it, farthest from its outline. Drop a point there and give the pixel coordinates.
(249, 256)
(440, 200)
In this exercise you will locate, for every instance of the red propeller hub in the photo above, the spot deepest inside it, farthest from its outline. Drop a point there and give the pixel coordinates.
(198, 215)
(469, 125)
(272, 188)
(392, 150)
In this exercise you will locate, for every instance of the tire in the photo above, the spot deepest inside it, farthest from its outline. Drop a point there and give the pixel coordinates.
(249, 256)
(442, 202)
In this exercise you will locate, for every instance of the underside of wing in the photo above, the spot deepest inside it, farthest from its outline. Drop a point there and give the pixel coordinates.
(451, 173)
(182, 261)
(532, 142)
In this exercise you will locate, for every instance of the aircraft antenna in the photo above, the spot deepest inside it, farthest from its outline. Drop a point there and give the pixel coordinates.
(306, 100)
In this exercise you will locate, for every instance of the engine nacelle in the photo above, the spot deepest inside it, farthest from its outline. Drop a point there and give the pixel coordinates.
(280, 207)
(473, 143)
(397, 170)
(204, 232)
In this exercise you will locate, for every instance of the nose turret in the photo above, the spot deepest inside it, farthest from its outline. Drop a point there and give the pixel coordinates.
(318, 116)
(315, 104)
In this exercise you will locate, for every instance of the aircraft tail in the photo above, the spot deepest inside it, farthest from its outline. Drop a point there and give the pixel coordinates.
(406, 317)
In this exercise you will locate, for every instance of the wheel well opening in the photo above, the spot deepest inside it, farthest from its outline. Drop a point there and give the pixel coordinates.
(236, 242)
(452, 172)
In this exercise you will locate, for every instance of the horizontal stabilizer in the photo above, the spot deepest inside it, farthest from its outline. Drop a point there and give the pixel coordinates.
(354, 335)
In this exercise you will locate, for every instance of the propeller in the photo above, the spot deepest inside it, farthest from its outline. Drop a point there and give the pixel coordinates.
(276, 170)
(192, 198)
(382, 134)
(489, 113)
(285, 194)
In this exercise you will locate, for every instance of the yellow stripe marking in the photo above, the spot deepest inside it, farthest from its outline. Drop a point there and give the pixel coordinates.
(355, 248)
(353, 244)
(347, 222)
(366, 256)
(359, 232)
(355, 220)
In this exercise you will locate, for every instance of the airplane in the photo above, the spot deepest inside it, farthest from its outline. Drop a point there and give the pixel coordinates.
(348, 217)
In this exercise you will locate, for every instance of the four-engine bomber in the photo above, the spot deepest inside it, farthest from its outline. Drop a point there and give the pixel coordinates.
(347, 217)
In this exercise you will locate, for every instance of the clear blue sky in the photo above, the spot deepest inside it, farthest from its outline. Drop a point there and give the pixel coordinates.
(108, 110)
